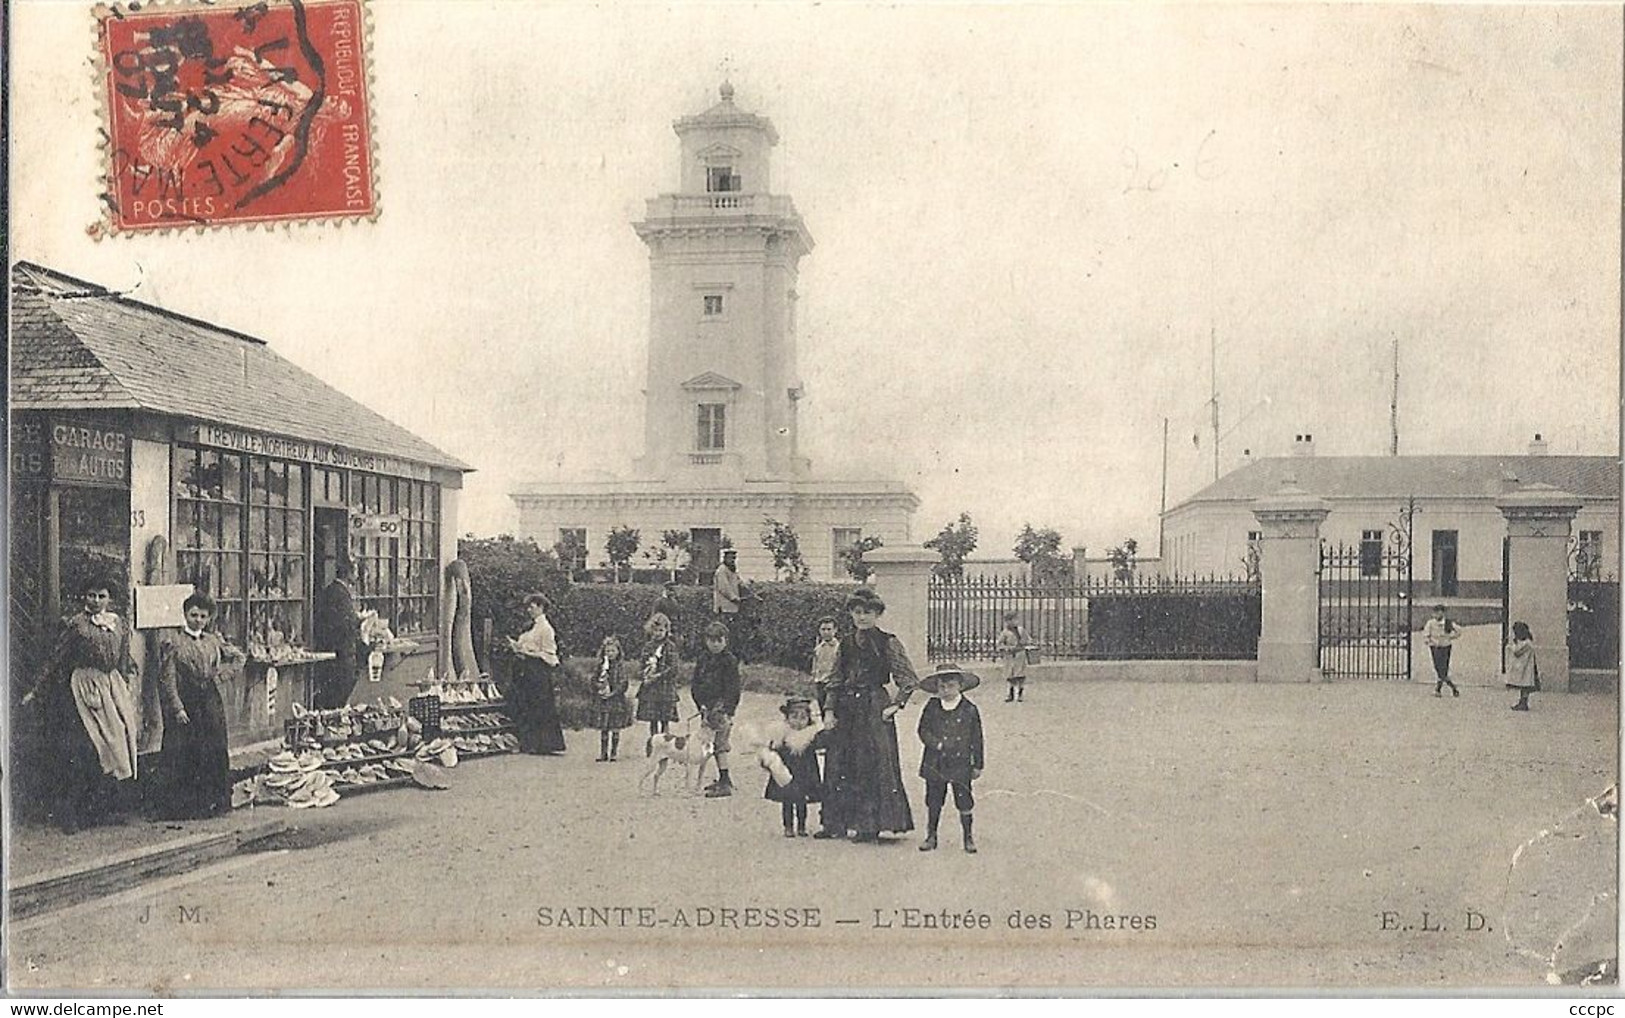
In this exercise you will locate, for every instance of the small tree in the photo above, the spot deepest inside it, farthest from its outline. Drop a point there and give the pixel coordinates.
(852, 557)
(1041, 550)
(680, 544)
(954, 543)
(1123, 560)
(620, 546)
(781, 541)
(1032, 545)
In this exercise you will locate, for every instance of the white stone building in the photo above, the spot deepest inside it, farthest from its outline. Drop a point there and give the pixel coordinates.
(1458, 529)
(721, 446)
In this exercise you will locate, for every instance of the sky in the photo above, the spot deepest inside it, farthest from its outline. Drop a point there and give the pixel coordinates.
(1039, 231)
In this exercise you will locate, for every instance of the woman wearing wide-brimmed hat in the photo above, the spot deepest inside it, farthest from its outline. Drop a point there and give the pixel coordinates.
(863, 777)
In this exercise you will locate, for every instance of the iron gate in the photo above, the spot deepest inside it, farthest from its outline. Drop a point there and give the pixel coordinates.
(1366, 595)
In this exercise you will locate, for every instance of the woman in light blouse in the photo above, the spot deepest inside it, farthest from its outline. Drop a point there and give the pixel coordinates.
(530, 696)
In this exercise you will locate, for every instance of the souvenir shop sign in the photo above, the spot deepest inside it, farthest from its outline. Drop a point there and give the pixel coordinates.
(71, 450)
(384, 525)
(322, 454)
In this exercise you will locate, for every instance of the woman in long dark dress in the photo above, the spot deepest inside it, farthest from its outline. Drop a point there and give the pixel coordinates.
(90, 714)
(194, 761)
(530, 696)
(863, 776)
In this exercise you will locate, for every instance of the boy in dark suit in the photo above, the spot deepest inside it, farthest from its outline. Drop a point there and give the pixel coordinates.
(951, 728)
(715, 688)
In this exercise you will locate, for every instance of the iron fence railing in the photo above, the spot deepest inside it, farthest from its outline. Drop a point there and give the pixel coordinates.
(1142, 618)
(1365, 611)
(1594, 623)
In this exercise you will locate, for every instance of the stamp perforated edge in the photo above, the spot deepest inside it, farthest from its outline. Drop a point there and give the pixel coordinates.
(107, 224)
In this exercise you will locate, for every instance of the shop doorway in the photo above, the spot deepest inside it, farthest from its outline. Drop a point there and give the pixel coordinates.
(330, 542)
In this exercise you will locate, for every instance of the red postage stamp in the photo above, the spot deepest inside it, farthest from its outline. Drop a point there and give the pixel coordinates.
(253, 112)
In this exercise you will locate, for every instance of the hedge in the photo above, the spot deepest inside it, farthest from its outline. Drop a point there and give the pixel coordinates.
(574, 698)
(778, 626)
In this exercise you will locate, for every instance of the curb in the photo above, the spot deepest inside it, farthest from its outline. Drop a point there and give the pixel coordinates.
(121, 871)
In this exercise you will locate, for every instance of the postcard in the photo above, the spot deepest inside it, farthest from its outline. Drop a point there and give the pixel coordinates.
(519, 497)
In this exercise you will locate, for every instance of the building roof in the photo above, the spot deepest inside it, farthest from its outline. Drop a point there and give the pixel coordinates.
(1388, 477)
(726, 114)
(76, 345)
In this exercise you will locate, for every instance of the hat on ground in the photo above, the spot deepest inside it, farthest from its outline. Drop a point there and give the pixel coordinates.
(865, 597)
(967, 680)
(795, 703)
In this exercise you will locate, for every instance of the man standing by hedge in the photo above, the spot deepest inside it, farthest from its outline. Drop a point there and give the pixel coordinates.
(726, 594)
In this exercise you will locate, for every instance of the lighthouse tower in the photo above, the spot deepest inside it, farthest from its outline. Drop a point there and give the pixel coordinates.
(721, 452)
(722, 388)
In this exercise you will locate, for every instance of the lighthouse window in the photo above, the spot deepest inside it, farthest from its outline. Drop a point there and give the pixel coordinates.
(721, 178)
(713, 304)
(712, 428)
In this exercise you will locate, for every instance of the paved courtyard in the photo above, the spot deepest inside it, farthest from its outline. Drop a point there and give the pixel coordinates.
(1354, 834)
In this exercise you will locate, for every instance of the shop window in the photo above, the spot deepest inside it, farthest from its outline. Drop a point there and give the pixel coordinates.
(277, 555)
(243, 534)
(327, 485)
(208, 531)
(399, 577)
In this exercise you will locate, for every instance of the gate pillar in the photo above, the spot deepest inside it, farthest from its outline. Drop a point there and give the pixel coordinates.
(1289, 568)
(1539, 518)
(902, 578)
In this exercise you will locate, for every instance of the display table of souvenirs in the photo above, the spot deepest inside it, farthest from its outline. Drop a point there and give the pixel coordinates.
(388, 744)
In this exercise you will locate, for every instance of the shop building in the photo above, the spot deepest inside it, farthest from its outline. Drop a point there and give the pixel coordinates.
(158, 450)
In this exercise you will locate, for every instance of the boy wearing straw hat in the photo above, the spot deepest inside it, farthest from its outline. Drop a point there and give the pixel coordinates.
(951, 728)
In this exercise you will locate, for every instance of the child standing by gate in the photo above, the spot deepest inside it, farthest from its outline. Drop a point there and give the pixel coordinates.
(1439, 633)
(1013, 648)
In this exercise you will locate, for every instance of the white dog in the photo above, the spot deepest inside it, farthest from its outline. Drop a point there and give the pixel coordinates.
(693, 752)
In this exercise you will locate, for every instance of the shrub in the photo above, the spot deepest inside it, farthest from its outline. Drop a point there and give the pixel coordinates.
(501, 571)
(778, 626)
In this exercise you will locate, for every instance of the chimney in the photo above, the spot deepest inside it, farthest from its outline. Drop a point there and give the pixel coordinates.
(1246, 456)
(1303, 445)
(1538, 446)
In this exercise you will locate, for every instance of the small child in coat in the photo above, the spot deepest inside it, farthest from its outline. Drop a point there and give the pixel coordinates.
(791, 761)
(611, 710)
(951, 728)
(1012, 647)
